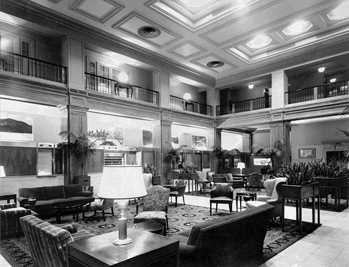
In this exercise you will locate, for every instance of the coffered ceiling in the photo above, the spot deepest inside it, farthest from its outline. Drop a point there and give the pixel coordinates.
(221, 42)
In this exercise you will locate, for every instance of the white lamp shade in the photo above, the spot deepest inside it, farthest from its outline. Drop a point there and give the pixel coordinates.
(187, 96)
(2, 171)
(122, 182)
(241, 165)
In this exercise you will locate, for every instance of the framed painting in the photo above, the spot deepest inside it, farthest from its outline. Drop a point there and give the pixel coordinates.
(307, 153)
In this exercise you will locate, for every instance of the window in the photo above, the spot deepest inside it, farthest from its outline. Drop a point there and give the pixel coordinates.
(25, 49)
(7, 61)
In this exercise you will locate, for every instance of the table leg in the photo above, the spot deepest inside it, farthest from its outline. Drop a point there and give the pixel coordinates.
(318, 209)
(240, 200)
(313, 209)
(58, 215)
(300, 218)
(236, 201)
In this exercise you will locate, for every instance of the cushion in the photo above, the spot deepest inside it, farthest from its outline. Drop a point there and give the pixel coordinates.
(53, 192)
(72, 190)
(230, 176)
(269, 186)
(151, 214)
(36, 192)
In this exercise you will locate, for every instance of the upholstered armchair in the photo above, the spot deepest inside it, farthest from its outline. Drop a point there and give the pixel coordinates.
(9, 219)
(203, 181)
(254, 181)
(178, 190)
(155, 206)
(275, 198)
(222, 194)
(100, 206)
(48, 243)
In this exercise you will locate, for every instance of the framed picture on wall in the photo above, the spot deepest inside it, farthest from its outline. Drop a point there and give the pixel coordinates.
(16, 127)
(307, 153)
(199, 142)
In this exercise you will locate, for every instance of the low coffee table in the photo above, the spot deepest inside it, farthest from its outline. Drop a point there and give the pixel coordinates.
(153, 227)
(244, 193)
(73, 208)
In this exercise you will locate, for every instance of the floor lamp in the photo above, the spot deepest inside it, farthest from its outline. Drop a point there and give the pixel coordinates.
(122, 183)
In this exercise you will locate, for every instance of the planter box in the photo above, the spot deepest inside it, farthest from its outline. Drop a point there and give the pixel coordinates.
(156, 180)
(84, 180)
(332, 181)
(300, 192)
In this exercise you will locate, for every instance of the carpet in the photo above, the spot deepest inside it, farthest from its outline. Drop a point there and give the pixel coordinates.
(183, 217)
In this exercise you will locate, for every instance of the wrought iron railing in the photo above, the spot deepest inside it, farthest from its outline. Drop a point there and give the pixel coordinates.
(243, 106)
(317, 92)
(113, 87)
(192, 106)
(32, 67)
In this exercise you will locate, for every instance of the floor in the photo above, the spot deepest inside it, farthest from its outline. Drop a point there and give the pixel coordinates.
(326, 246)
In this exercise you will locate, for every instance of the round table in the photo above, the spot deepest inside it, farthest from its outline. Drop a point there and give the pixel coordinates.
(153, 227)
(243, 193)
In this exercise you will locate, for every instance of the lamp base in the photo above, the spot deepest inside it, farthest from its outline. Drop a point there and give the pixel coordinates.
(122, 241)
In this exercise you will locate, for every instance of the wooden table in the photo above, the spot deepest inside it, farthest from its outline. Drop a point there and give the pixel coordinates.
(147, 249)
(242, 193)
(64, 208)
(8, 196)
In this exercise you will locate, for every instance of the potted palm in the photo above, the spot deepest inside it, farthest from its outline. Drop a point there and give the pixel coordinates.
(223, 157)
(273, 152)
(174, 156)
(80, 147)
(150, 168)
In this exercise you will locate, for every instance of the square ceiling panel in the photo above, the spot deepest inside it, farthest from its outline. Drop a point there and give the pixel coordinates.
(132, 24)
(100, 11)
(196, 14)
(187, 50)
(205, 60)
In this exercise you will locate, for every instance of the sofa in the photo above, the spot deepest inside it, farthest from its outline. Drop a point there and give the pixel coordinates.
(233, 240)
(48, 243)
(48, 197)
(236, 182)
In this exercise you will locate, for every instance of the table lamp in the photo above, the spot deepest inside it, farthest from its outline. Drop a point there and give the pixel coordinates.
(241, 166)
(122, 183)
(2, 171)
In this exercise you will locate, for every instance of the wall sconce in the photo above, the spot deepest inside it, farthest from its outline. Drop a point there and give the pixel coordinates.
(2, 171)
(250, 86)
(241, 166)
(123, 77)
(321, 69)
(333, 80)
(187, 96)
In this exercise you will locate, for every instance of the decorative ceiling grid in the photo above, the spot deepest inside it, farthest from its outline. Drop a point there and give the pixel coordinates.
(100, 11)
(187, 50)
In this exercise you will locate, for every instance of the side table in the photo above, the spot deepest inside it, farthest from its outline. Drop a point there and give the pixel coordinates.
(243, 193)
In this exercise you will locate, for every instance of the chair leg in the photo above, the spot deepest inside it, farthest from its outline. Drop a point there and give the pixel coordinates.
(183, 200)
(176, 201)
(112, 211)
(103, 215)
(216, 207)
(210, 209)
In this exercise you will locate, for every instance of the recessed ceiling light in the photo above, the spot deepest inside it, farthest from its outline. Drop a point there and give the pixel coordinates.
(149, 32)
(333, 80)
(215, 64)
(298, 27)
(339, 13)
(259, 41)
(250, 86)
(321, 69)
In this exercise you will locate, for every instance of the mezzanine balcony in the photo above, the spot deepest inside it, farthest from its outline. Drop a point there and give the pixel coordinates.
(113, 87)
(302, 95)
(27, 66)
(191, 106)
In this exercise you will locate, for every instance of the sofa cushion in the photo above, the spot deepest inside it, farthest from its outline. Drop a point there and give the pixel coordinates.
(230, 177)
(81, 200)
(52, 192)
(36, 192)
(72, 190)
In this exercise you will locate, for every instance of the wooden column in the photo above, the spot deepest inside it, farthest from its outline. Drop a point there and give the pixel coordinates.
(281, 131)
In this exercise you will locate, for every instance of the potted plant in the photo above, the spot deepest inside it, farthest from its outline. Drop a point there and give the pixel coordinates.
(332, 175)
(223, 156)
(80, 147)
(150, 168)
(300, 181)
(174, 156)
(274, 152)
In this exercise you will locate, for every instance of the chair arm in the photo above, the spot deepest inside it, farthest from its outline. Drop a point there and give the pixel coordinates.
(8, 206)
(86, 193)
(71, 228)
(22, 201)
(272, 201)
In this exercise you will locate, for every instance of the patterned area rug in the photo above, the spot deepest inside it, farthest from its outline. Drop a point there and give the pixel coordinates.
(183, 217)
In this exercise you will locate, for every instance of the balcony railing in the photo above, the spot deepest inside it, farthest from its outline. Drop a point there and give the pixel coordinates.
(317, 92)
(243, 106)
(192, 106)
(113, 87)
(32, 67)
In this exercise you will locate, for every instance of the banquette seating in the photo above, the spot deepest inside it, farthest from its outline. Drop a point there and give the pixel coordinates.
(233, 240)
(47, 197)
(235, 182)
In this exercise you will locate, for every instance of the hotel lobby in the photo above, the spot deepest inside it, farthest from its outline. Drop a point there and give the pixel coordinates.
(142, 78)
